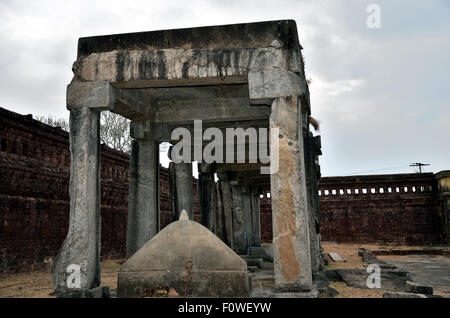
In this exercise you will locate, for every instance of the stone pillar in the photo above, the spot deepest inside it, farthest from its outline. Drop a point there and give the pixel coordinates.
(184, 190)
(227, 205)
(443, 181)
(80, 252)
(247, 210)
(256, 218)
(207, 197)
(313, 200)
(238, 216)
(291, 242)
(143, 197)
(220, 217)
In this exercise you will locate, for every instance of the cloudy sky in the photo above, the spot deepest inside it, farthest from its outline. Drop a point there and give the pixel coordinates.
(381, 94)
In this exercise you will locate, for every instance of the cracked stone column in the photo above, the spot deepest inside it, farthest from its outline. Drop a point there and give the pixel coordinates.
(247, 209)
(184, 189)
(256, 219)
(291, 242)
(227, 208)
(239, 240)
(143, 197)
(207, 197)
(81, 248)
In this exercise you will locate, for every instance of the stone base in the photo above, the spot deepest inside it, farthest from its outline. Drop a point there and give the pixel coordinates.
(403, 295)
(259, 251)
(266, 293)
(233, 284)
(253, 260)
(99, 292)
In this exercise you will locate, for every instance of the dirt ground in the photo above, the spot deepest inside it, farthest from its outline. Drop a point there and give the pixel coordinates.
(38, 284)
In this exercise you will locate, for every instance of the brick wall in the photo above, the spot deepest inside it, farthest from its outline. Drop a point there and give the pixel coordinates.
(34, 193)
(396, 209)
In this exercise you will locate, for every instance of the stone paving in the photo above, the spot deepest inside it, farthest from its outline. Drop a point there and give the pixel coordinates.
(428, 270)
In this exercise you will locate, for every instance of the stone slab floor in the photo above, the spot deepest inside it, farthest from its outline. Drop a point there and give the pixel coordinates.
(430, 270)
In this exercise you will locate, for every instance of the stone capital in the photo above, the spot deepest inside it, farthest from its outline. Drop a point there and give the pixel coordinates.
(96, 95)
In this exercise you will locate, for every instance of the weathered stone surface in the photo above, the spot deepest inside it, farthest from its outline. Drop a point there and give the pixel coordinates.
(403, 295)
(291, 243)
(417, 288)
(216, 270)
(82, 244)
(336, 257)
(279, 34)
(227, 200)
(248, 222)
(239, 237)
(100, 95)
(184, 190)
(256, 220)
(208, 197)
(143, 201)
(357, 278)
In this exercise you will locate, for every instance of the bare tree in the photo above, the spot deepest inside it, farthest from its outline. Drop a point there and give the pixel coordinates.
(54, 122)
(115, 131)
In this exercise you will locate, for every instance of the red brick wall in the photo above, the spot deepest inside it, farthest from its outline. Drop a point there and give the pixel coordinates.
(34, 197)
(411, 217)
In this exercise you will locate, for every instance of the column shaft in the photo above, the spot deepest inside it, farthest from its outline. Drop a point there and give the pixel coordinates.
(207, 197)
(184, 189)
(256, 220)
(239, 240)
(143, 198)
(81, 248)
(291, 242)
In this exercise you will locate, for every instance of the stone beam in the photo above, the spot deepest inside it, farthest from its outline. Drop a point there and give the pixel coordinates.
(209, 110)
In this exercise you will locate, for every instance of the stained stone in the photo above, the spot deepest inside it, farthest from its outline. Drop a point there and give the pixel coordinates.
(143, 200)
(82, 244)
(216, 270)
(291, 242)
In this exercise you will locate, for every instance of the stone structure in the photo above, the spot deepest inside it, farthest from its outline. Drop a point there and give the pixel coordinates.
(34, 200)
(188, 257)
(443, 187)
(244, 75)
